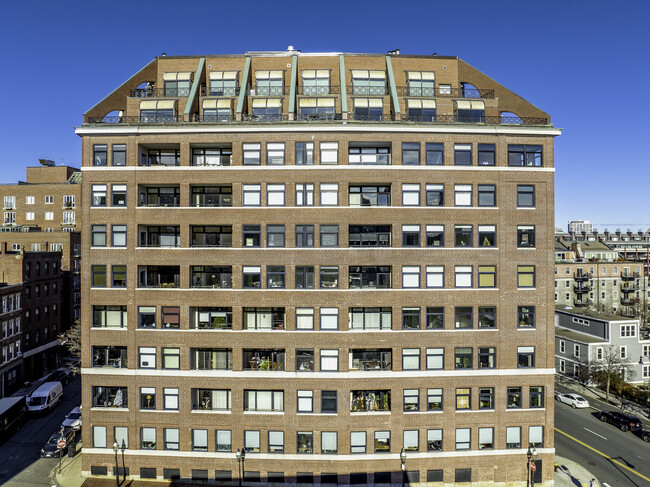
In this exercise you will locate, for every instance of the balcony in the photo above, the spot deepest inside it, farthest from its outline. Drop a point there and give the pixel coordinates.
(581, 289)
(370, 401)
(159, 276)
(629, 301)
(160, 236)
(68, 205)
(211, 277)
(630, 276)
(264, 359)
(582, 276)
(430, 92)
(318, 90)
(159, 92)
(225, 91)
(159, 196)
(629, 287)
(583, 301)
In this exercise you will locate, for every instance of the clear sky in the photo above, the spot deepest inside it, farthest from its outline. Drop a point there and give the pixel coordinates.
(586, 63)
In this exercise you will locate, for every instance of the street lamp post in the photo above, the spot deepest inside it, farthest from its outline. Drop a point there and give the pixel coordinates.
(402, 457)
(123, 447)
(241, 456)
(116, 447)
(531, 455)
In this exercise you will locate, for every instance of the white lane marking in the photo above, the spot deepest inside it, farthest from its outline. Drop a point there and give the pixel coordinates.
(595, 433)
(606, 484)
(640, 457)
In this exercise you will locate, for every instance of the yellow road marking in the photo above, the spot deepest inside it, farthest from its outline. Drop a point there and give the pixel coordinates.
(603, 455)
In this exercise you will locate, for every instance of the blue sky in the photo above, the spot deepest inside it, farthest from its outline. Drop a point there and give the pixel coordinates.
(586, 63)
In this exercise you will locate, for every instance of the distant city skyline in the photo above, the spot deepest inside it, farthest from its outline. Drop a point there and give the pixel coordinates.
(60, 58)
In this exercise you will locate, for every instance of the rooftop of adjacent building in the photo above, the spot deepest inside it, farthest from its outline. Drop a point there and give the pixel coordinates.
(591, 313)
(49, 173)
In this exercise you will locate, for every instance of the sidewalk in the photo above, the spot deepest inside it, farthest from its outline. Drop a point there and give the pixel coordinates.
(70, 475)
(570, 474)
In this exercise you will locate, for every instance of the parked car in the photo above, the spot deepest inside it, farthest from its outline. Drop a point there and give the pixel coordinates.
(574, 400)
(62, 375)
(52, 450)
(624, 421)
(73, 419)
(644, 434)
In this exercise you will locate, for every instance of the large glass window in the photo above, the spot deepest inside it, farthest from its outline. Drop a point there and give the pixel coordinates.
(421, 83)
(315, 81)
(486, 155)
(435, 195)
(100, 154)
(329, 235)
(263, 400)
(370, 401)
(487, 357)
(370, 277)
(463, 154)
(463, 358)
(525, 155)
(434, 153)
(98, 195)
(410, 153)
(435, 235)
(304, 153)
(525, 196)
(487, 195)
(525, 236)
(264, 318)
(275, 277)
(377, 155)
(329, 277)
(526, 316)
(305, 276)
(269, 83)
(487, 316)
(411, 318)
(366, 82)
(369, 235)
(435, 317)
(217, 156)
(223, 83)
(378, 195)
(371, 359)
(370, 318)
(275, 236)
(304, 194)
(209, 196)
(434, 400)
(211, 399)
(211, 359)
(526, 276)
(525, 357)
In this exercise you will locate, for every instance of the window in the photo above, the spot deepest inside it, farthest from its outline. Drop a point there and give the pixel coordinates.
(304, 235)
(199, 440)
(329, 153)
(526, 276)
(263, 400)
(435, 194)
(171, 358)
(98, 194)
(305, 319)
(118, 235)
(463, 317)
(486, 155)
(99, 154)
(110, 397)
(304, 153)
(329, 194)
(382, 441)
(263, 318)
(29, 215)
(98, 276)
(370, 318)
(525, 236)
(119, 155)
(377, 195)
(463, 154)
(251, 277)
(118, 195)
(526, 319)
(562, 366)
(410, 153)
(463, 398)
(99, 436)
(463, 195)
(109, 316)
(514, 398)
(251, 235)
(487, 235)
(275, 277)
(252, 441)
(486, 398)
(49, 215)
(434, 440)
(410, 359)
(435, 318)
(435, 276)
(525, 155)
(525, 357)
(369, 236)
(628, 331)
(487, 357)
(435, 235)
(410, 277)
(147, 398)
(147, 358)
(29, 200)
(487, 276)
(171, 436)
(535, 436)
(370, 277)
(267, 109)
(623, 353)
(252, 154)
(328, 401)
(536, 396)
(485, 438)
(304, 194)
(329, 360)
(357, 442)
(305, 276)
(329, 277)
(49, 199)
(434, 154)
(275, 236)
(329, 318)
(170, 398)
(275, 153)
(329, 235)
(411, 318)
(305, 401)
(275, 195)
(513, 437)
(463, 438)
(223, 440)
(421, 111)
(525, 196)
(328, 445)
(411, 400)
(410, 194)
(463, 276)
(276, 441)
(369, 155)
(463, 357)
(305, 442)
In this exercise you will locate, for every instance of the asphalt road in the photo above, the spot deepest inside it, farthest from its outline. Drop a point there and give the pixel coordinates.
(21, 465)
(629, 456)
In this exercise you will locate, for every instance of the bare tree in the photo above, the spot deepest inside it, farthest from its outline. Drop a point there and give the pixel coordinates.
(611, 367)
(584, 373)
(71, 340)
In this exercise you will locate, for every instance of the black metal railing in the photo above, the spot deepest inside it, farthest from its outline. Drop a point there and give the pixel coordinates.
(319, 117)
(431, 92)
(226, 91)
(490, 120)
(267, 117)
(318, 90)
(268, 90)
(356, 90)
(371, 117)
(159, 92)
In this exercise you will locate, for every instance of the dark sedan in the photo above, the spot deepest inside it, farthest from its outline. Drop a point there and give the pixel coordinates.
(624, 421)
(51, 448)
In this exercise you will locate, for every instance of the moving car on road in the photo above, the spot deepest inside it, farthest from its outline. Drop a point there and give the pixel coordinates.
(51, 448)
(624, 421)
(574, 400)
(73, 419)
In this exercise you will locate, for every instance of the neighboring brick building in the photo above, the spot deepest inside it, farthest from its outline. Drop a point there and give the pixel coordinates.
(321, 259)
(10, 338)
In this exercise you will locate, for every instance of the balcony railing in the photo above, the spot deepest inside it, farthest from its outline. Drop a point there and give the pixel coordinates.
(295, 118)
(318, 90)
(629, 301)
(630, 276)
(583, 302)
(629, 287)
(430, 92)
(582, 277)
(159, 92)
(268, 90)
(226, 91)
(582, 289)
(356, 90)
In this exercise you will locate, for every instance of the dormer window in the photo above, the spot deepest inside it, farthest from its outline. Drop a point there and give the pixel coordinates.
(366, 82)
(157, 111)
(421, 83)
(315, 82)
(216, 110)
(267, 109)
(421, 110)
(316, 108)
(269, 83)
(470, 111)
(177, 84)
(223, 83)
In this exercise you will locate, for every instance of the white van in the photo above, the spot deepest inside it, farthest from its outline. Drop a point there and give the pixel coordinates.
(45, 397)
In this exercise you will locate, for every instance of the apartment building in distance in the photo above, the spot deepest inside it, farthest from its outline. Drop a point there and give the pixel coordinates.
(578, 226)
(10, 339)
(41, 215)
(318, 268)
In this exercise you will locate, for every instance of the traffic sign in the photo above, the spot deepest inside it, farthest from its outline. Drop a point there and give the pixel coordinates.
(61, 443)
(532, 466)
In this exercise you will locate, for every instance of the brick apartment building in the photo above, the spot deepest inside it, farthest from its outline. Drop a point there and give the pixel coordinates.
(324, 261)
(10, 339)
